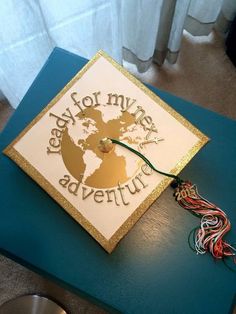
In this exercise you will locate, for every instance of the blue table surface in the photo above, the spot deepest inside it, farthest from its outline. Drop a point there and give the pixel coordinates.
(152, 270)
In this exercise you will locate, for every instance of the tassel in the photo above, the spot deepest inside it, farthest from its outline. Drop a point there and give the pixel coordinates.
(214, 222)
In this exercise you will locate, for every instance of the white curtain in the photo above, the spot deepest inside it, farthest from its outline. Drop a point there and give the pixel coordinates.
(139, 31)
(152, 30)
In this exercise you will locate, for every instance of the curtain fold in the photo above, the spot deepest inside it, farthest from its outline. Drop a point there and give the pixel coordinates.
(138, 31)
(140, 21)
(164, 30)
(179, 12)
(200, 20)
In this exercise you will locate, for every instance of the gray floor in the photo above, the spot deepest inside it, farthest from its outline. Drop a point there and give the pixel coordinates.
(203, 75)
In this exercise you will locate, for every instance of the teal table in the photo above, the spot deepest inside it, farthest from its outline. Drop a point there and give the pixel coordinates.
(152, 270)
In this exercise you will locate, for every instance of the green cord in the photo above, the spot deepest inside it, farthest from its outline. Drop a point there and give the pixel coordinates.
(178, 180)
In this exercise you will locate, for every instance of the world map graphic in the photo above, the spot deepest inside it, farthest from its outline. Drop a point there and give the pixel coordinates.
(82, 157)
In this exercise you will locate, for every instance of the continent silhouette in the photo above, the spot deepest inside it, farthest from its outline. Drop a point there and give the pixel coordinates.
(112, 168)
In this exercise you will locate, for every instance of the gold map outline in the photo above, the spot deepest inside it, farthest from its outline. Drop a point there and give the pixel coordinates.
(110, 163)
(110, 244)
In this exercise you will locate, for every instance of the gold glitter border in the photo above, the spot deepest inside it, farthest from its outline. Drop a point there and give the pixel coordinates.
(110, 244)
